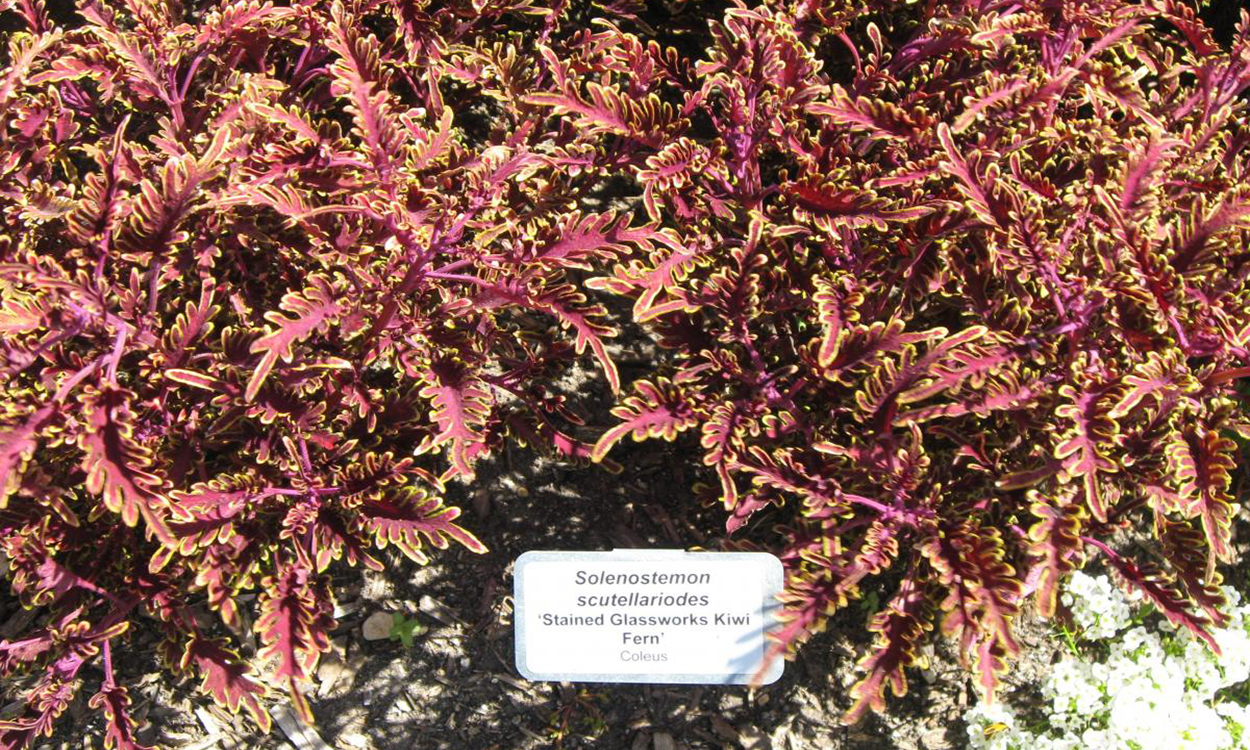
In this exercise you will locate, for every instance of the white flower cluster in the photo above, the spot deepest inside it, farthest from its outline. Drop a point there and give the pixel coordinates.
(1154, 690)
(1098, 607)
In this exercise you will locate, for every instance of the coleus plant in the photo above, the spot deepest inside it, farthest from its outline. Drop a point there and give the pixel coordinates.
(961, 296)
(271, 275)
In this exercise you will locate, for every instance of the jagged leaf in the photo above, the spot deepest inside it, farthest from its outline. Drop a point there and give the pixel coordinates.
(460, 406)
(316, 308)
(657, 409)
(405, 517)
(226, 678)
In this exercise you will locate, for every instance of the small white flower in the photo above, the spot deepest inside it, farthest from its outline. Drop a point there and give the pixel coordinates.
(1150, 693)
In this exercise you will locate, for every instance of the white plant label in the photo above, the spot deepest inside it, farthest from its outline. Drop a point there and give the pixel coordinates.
(660, 616)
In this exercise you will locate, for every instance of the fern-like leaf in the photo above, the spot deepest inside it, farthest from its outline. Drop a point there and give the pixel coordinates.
(226, 678)
(1055, 542)
(119, 729)
(316, 308)
(405, 517)
(877, 117)
(837, 306)
(1201, 462)
(1137, 176)
(830, 208)
(17, 445)
(460, 407)
(294, 627)
(1183, 546)
(1083, 447)
(358, 79)
(579, 238)
(1158, 376)
(1160, 590)
(977, 189)
(722, 442)
(676, 165)
(899, 628)
(569, 306)
(657, 409)
(117, 466)
(610, 111)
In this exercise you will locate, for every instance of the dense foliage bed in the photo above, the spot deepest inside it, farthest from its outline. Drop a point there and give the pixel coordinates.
(939, 300)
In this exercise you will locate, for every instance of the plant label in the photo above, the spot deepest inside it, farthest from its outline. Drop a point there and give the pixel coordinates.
(659, 616)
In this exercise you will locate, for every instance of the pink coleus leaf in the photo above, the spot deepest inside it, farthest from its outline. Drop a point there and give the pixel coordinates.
(118, 468)
(315, 309)
(1159, 376)
(227, 678)
(1232, 212)
(986, 99)
(658, 283)
(1138, 175)
(837, 303)
(878, 117)
(976, 188)
(610, 111)
(1201, 462)
(658, 409)
(570, 308)
(963, 362)
(830, 208)
(44, 705)
(405, 517)
(17, 445)
(899, 627)
(1084, 446)
(119, 728)
(1160, 590)
(1055, 543)
(358, 77)
(722, 442)
(981, 587)
(460, 407)
(294, 627)
(1185, 549)
(991, 657)
(578, 239)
